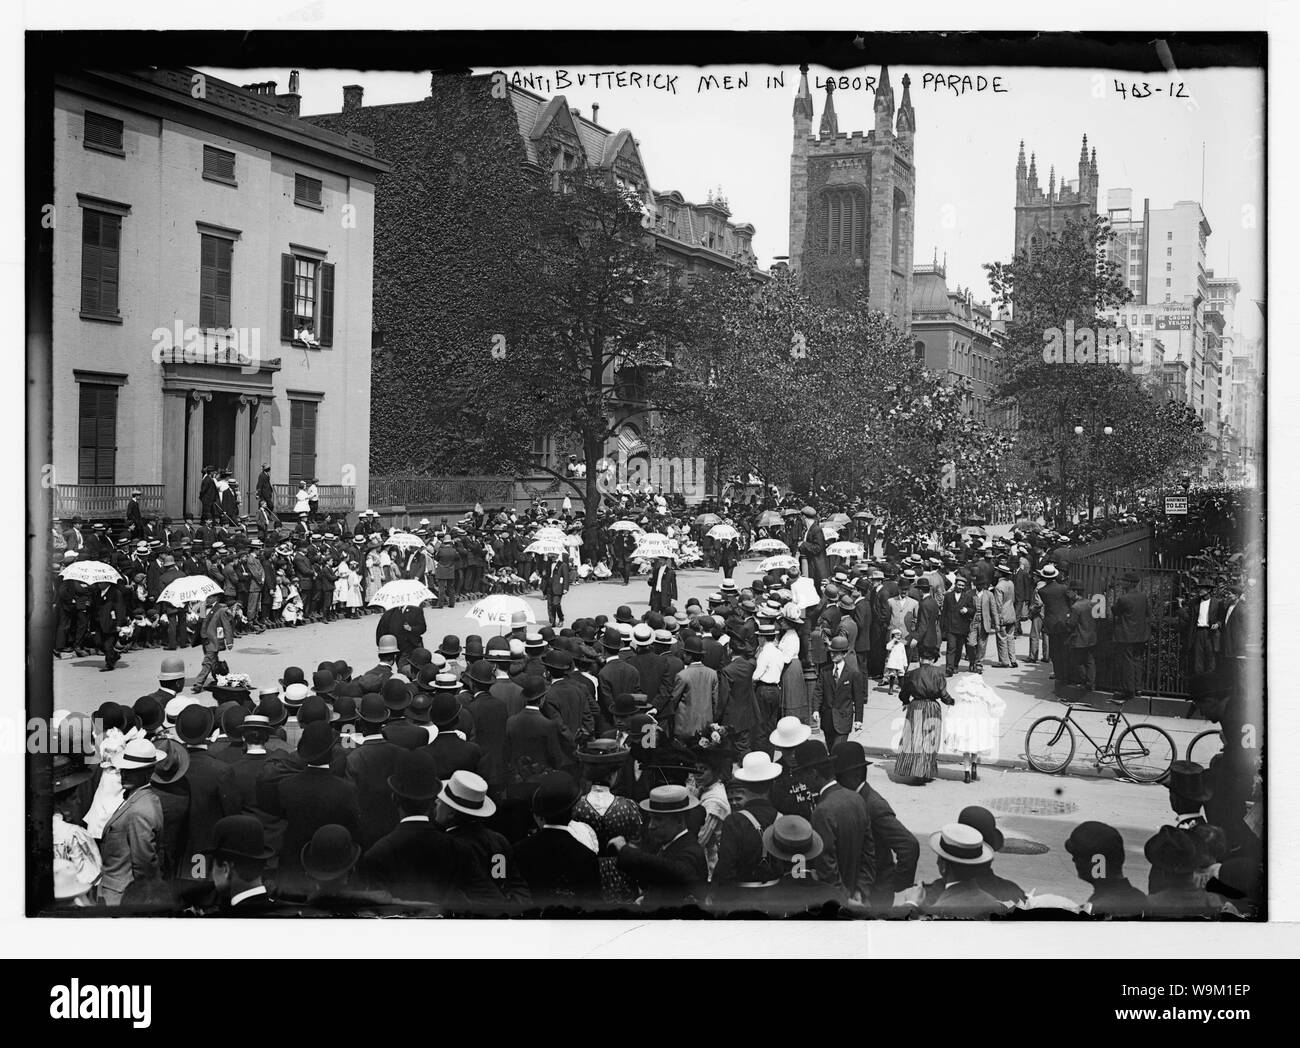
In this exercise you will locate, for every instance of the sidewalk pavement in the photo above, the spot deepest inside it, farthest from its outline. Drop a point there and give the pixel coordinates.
(1028, 692)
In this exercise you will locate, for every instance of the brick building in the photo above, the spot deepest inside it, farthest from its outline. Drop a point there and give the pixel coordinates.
(212, 292)
(852, 202)
(954, 335)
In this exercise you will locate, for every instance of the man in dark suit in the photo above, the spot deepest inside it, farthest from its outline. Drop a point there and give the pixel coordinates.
(73, 537)
(416, 861)
(737, 707)
(309, 799)
(616, 677)
(212, 790)
(208, 496)
(532, 738)
(407, 624)
(560, 869)
(1083, 639)
(134, 517)
(926, 633)
(957, 616)
(1056, 621)
(569, 694)
(448, 561)
(265, 489)
(842, 693)
(812, 546)
(1130, 635)
(110, 616)
(663, 584)
(669, 863)
(962, 857)
(452, 750)
(1202, 619)
(840, 817)
(237, 859)
(656, 680)
(490, 718)
(897, 850)
(369, 764)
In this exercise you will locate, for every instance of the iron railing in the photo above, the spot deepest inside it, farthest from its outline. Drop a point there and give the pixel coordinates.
(105, 501)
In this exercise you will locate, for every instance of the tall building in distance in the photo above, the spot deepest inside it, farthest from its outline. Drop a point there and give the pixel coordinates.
(853, 200)
(212, 293)
(1175, 265)
(1039, 214)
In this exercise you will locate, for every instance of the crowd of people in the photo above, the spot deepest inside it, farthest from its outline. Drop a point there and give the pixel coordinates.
(695, 758)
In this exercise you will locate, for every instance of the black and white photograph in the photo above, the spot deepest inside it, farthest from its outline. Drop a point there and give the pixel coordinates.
(790, 478)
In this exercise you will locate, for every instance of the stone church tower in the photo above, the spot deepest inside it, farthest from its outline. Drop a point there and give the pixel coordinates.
(1040, 214)
(852, 203)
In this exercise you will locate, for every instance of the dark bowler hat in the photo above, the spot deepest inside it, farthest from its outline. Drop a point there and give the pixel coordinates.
(849, 756)
(624, 614)
(482, 672)
(498, 650)
(342, 671)
(693, 644)
(444, 709)
(149, 711)
(406, 734)
(314, 708)
(330, 853)
(418, 711)
(534, 687)
(556, 795)
(322, 682)
(194, 725)
(345, 709)
(811, 753)
(450, 646)
(396, 695)
(425, 678)
(1173, 850)
(1090, 839)
(270, 707)
(983, 820)
(239, 837)
(559, 661)
(373, 709)
(611, 639)
(230, 715)
(293, 675)
(416, 777)
(316, 742)
(473, 647)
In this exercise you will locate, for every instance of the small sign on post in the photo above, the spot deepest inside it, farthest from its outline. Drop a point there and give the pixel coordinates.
(1175, 504)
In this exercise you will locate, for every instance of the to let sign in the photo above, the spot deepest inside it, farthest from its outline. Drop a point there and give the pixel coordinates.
(1175, 504)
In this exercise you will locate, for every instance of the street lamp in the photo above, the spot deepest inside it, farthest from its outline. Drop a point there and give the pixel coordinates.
(1107, 430)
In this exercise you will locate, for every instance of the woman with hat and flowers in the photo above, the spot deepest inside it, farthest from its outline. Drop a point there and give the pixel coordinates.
(924, 688)
(714, 752)
(609, 815)
(131, 843)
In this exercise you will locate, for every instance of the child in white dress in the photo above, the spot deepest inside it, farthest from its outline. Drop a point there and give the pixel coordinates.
(896, 660)
(972, 725)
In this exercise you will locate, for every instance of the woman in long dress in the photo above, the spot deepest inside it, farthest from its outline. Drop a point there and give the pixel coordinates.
(924, 688)
(352, 598)
(972, 726)
(794, 689)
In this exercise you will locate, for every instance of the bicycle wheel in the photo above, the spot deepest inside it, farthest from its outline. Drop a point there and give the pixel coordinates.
(1145, 752)
(1204, 746)
(1049, 745)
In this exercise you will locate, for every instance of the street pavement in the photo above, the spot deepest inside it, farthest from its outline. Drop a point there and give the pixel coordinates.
(1035, 811)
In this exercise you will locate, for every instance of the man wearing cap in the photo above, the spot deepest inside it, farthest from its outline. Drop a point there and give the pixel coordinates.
(961, 855)
(1098, 853)
(369, 764)
(461, 811)
(669, 862)
(840, 817)
(741, 858)
(212, 789)
(309, 799)
(560, 869)
(237, 859)
(617, 676)
(897, 852)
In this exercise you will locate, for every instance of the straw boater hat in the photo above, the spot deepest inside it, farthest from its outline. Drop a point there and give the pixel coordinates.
(962, 844)
(138, 753)
(669, 800)
(466, 792)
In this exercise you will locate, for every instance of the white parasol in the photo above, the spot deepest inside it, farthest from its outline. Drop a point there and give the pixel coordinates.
(91, 572)
(187, 589)
(401, 593)
(781, 562)
(723, 532)
(498, 609)
(769, 546)
(404, 540)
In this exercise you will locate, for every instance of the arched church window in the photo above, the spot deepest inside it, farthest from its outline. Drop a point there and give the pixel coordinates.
(843, 219)
(896, 232)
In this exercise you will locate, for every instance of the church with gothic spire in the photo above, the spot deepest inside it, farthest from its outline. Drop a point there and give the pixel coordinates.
(1039, 214)
(853, 201)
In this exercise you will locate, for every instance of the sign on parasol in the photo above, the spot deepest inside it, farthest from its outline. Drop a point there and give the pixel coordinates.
(401, 593)
(188, 589)
(781, 562)
(769, 518)
(498, 609)
(723, 532)
(546, 548)
(91, 572)
(846, 549)
(769, 546)
(625, 525)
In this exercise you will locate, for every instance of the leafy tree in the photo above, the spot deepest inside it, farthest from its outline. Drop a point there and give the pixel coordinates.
(1069, 283)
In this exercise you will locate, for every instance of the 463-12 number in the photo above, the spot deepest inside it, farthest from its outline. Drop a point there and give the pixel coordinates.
(1145, 90)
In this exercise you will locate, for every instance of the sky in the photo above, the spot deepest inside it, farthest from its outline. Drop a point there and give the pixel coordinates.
(696, 139)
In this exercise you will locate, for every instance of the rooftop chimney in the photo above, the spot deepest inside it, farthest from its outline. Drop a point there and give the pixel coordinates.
(595, 112)
(352, 96)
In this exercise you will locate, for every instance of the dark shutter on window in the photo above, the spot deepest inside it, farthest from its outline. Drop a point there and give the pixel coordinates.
(97, 434)
(302, 439)
(103, 131)
(326, 307)
(218, 164)
(286, 298)
(100, 245)
(214, 282)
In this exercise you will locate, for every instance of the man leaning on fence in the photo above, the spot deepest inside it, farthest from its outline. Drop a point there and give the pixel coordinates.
(1130, 635)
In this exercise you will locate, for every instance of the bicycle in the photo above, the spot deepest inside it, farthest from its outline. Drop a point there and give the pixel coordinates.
(1143, 752)
(1211, 743)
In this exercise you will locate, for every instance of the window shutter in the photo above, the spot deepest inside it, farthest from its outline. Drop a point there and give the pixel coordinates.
(97, 434)
(90, 261)
(295, 439)
(104, 131)
(309, 440)
(286, 298)
(326, 333)
(221, 287)
(207, 281)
